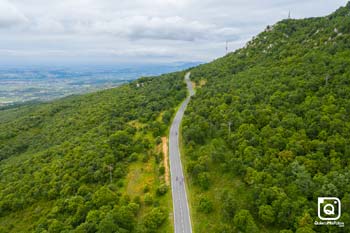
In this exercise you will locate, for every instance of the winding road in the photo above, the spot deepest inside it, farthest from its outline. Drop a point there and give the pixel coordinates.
(182, 219)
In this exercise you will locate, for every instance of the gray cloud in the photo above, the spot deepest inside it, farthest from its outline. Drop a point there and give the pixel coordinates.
(149, 27)
(140, 29)
(9, 15)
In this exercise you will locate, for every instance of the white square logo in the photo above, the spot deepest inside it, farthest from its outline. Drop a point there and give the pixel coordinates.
(329, 208)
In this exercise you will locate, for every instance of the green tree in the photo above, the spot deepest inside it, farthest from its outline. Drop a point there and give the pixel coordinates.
(154, 219)
(108, 225)
(266, 214)
(244, 222)
(104, 196)
(205, 205)
(162, 190)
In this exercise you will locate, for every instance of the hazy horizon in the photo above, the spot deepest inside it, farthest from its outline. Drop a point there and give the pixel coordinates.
(20, 84)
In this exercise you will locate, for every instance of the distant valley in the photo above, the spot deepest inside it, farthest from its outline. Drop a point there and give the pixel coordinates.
(18, 85)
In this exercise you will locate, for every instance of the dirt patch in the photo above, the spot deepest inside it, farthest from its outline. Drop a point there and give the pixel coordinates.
(201, 83)
(166, 159)
(193, 84)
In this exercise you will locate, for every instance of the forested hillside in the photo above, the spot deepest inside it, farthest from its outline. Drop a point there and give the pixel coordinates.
(268, 131)
(89, 163)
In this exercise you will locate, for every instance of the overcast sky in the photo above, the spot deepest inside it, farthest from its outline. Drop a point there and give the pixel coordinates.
(112, 31)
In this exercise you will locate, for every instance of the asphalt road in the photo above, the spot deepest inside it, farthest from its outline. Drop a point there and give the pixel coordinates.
(182, 220)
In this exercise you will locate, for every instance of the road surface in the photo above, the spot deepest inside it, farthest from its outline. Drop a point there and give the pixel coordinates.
(182, 220)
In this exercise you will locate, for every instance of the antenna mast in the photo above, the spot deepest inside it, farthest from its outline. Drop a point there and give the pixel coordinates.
(226, 47)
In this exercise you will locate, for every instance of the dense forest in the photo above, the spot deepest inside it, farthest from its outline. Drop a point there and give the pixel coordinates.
(268, 131)
(266, 134)
(89, 163)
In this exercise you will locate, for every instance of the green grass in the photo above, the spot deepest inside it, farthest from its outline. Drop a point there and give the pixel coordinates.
(146, 173)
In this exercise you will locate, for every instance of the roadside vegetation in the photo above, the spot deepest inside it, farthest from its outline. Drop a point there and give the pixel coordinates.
(268, 131)
(89, 163)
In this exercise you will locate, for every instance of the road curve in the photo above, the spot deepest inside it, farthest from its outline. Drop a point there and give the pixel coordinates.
(182, 219)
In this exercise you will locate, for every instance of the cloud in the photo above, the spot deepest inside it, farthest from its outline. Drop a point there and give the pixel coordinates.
(124, 29)
(10, 15)
(158, 28)
(135, 20)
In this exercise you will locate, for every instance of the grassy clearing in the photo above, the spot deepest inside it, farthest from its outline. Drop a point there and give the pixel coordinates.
(142, 174)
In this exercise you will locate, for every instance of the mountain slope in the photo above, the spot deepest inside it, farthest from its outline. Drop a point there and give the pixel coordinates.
(268, 131)
(89, 163)
(266, 134)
